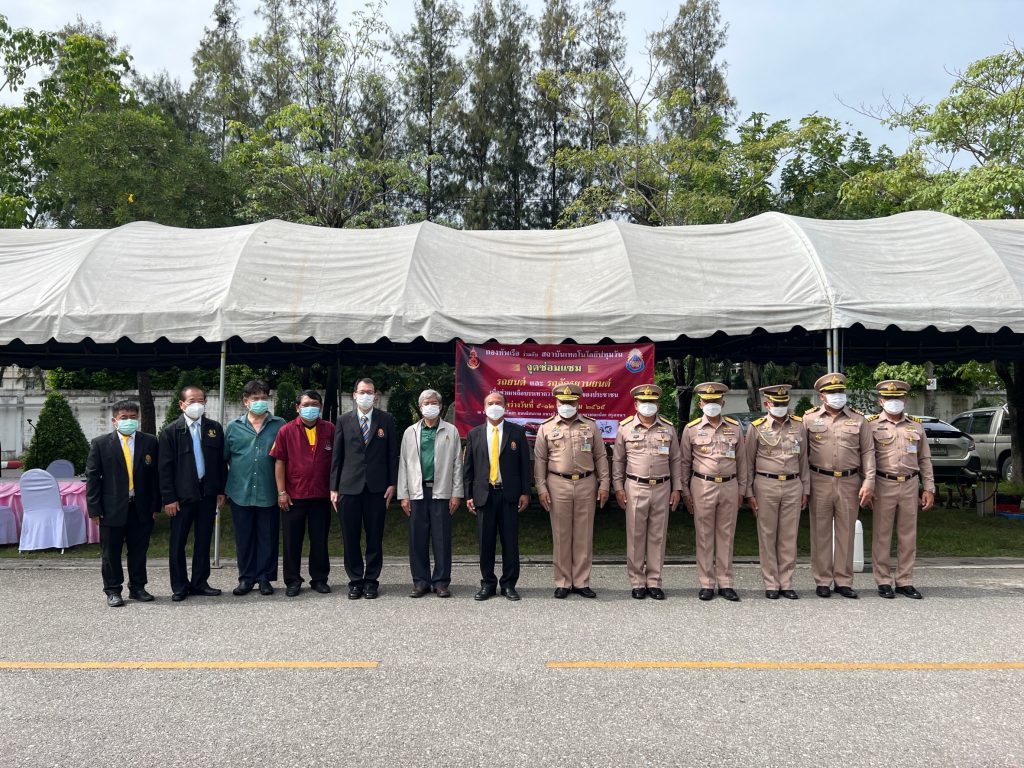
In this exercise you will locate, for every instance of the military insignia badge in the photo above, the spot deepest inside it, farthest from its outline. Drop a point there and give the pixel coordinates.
(380, 432)
(211, 433)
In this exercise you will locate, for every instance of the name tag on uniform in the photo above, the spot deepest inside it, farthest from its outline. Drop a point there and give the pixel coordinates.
(730, 452)
(911, 447)
(663, 449)
(586, 447)
(796, 448)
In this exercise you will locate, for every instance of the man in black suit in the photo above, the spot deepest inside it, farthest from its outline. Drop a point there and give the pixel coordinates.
(192, 478)
(123, 496)
(497, 476)
(364, 477)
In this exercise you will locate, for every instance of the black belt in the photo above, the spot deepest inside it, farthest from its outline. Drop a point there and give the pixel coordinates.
(898, 478)
(495, 486)
(713, 478)
(649, 480)
(835, 472)
(779, 477)
(578, 476)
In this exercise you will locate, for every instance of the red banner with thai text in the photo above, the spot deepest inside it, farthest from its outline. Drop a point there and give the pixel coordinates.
(525, 374)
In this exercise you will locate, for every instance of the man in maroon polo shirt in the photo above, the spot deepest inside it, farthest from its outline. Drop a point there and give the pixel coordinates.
(303, 450)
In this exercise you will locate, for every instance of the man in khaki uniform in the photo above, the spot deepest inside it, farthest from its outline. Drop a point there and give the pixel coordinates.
(647, 477)
(842, 463)
(714, 467)
(778, 484)
(902, 456)
(571, 472)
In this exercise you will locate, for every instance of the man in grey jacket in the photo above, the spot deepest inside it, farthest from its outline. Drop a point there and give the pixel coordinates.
(429, 484)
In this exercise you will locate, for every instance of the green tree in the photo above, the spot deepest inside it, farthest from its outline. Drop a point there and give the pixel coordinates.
(57, 435)
(430, 78)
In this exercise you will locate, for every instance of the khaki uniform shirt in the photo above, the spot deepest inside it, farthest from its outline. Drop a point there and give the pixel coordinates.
(901, 447)
(716, 451)
(778, 448)
(569, 446)
(646, 452)
(840, 443)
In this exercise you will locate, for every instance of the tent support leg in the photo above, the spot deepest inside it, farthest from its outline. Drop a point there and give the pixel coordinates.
(829, 351)
(837, 350)
(220, 418)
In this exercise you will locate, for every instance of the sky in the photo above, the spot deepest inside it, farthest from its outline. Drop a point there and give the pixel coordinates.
(788, 58)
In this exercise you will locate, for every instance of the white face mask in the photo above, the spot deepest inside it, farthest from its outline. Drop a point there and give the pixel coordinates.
(567, 411)
(894, 407)
(195, 411)
(647, 409)
(365, 401)
(495, 412)
(778, 411)
(430, 411)
(712, 409)
(837, 401)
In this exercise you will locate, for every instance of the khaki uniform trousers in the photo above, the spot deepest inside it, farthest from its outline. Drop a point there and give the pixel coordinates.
(646, 527)
(833, 499)
(778, 525)
(714, 516)
(573, 503)
(894, 502)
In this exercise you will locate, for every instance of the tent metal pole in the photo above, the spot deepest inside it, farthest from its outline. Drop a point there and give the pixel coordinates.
(220, 418)
(829, 356)
(837, 350)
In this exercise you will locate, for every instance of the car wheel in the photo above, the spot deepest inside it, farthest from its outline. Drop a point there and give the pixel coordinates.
(1006, 470)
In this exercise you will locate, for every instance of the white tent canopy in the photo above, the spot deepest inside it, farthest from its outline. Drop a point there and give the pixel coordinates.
(613, 280)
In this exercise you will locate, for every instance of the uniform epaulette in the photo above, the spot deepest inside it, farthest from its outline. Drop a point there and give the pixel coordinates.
(812, 410)
(730, 420)
(695, 422)
(854, 410)
(550, 418)
(918, 419)
(758, 422)
(665, 421)
(794, 417)
(626, 420)
(872, 417)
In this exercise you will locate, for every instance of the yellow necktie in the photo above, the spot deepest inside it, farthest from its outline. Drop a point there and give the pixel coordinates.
(494, 456)
(128, 463)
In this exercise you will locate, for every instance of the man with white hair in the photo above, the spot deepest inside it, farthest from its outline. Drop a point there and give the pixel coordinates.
(429, 489)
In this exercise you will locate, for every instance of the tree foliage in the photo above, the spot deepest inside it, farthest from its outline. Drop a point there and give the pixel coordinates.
(57, 435)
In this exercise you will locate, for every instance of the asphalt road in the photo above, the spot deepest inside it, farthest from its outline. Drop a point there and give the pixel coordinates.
(465, 683)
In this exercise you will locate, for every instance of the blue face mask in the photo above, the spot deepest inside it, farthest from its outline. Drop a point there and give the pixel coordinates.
(259, 407)
(127, 426)
(310, 412)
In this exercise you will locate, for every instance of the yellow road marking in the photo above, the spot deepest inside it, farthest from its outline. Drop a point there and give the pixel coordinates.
(189, 664)
(787, 665)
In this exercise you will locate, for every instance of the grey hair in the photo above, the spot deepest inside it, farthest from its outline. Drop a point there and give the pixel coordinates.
(428, 393)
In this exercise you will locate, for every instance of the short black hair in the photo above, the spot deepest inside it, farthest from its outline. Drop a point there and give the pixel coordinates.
(312, 394)
(364, 380)
(255, 387)
(124, 405)
(187, 387)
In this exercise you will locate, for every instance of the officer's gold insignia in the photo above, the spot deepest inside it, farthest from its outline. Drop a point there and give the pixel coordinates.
(211, 433)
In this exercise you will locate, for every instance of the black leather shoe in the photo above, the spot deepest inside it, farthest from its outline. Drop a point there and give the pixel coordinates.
(510, 593)
(205, 591)
(561, 592)
(706, 594)
(729, 594)
(320, 586)
(292, 590)
(909, 591)
(849, 592)
(885, 590)
(639, 593)
(355, 591)
(141, 595)
(656, 593)
(266, 588)
(823, 591)
(370, 591)
(771, 594)
(418, 592)
(115, 601)
(243, 588)
(486, 593)
(177, 597)
(789, 594)
(584, 591)
(443, 592)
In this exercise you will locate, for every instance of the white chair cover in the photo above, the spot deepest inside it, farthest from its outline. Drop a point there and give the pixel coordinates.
(45, 522)
(62, 469)
(8, 526)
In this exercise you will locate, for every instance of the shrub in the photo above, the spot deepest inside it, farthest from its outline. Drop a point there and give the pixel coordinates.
(284, 399)
(58, 435)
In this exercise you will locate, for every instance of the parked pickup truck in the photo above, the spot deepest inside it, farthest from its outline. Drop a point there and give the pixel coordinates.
(990, 429)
